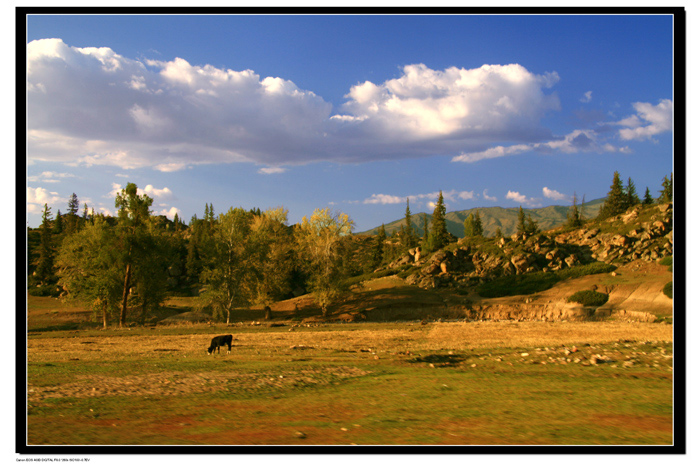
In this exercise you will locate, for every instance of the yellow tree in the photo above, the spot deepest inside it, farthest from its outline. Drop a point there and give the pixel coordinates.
(319, 238)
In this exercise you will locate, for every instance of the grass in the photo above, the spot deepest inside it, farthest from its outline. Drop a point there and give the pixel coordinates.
(369, 383)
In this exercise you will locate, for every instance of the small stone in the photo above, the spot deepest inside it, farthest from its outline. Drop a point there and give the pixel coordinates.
(300, 434)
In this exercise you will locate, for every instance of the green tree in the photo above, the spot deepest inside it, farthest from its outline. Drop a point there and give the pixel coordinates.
(273, 248)
(469, 226)
(426, 232)
(439, 236)
(44, 269)
(573, 217)
(72, 214)
(408, 238)
(90, 270)
(319, 237)
(616, 201)
(228, 272)
(667, 191)
(478, 225)
(648, 200)
(631, 194)
(134, 212)
(378, 250)
(526, 226)
(498, 234)
(58, 224)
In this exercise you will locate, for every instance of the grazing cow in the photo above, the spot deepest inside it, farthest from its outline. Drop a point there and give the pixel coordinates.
(220, 341)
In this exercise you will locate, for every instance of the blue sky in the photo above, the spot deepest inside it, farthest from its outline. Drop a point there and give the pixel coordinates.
(353, 112)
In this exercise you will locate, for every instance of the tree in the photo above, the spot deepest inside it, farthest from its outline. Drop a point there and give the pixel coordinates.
(319, 237)
(616, 201)
(134, 211)
(573, 217)
(498, 234)
(378, 250)
(469, 226)
(408, 238)
(526, 226)
(631, 194)
(58, 224)
(439, 236)
(478, 226)
(667, 191)
(648, 200)
(44, 269)
(272, 248)
(425, 228)
(72, 215)
(229, 265)
(90, 271)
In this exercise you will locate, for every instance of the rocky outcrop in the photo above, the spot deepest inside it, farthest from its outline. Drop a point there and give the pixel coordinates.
(640, 233)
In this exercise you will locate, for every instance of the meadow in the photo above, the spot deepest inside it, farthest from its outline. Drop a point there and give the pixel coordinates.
(394, 383)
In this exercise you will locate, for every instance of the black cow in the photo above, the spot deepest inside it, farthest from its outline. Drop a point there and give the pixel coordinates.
(220, 341)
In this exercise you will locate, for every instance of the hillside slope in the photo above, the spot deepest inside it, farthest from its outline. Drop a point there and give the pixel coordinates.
(492, 218)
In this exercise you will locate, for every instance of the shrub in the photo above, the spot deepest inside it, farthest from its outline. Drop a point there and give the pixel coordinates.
(667, 261)
(44, 291)
(588, 298)
(668, 289)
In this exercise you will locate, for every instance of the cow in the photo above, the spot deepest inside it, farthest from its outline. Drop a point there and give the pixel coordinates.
(220, 341)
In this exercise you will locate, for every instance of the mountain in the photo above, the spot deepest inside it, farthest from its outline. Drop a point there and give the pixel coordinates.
(492, 218)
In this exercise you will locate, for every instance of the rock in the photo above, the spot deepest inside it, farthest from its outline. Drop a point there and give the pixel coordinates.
(443, 267)
(300, 435)
(665, 207)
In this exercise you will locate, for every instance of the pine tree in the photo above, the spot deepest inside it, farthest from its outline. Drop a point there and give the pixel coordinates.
(616, 201)
(498, 234)
(648, 200)
(425, 228)
(408, 237)
(631, 193)
(478, 226)
(72, 215)
(573, 217)
(439, 236)
(378, 250)
(469, 226)
(667, 191)
(44, 268)
(58, 224)
(520, 228)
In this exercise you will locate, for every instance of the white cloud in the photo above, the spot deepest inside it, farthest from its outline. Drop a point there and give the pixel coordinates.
(575, 142)
(170, 213)
(384, 199)
(272, 170)
(49, 177)
(522, 199)
(170, 115)
(587, 97)
(650, 120)
(41, 196)
(489, 198)
(554, 194)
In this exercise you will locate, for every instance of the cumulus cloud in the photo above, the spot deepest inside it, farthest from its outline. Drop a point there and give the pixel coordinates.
(522, 199)
(587, 97)
(553, 194)
(649, 120)
(170, 114)
(170, 213)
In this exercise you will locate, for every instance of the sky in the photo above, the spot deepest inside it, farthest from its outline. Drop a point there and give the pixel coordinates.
(353, 112)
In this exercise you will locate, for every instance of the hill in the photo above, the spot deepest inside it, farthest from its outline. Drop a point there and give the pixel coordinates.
(492, 218)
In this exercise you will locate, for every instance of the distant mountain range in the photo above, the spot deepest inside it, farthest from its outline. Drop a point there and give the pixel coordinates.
(492, 218)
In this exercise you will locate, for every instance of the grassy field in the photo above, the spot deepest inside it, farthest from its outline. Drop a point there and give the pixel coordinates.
(449, 383)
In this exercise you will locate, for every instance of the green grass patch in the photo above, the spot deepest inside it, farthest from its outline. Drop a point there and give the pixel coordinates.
(588, 298)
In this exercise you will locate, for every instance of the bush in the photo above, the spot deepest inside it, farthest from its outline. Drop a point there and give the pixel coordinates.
(44, 291)
(667, 261)
(588, 298)
(668, 289)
